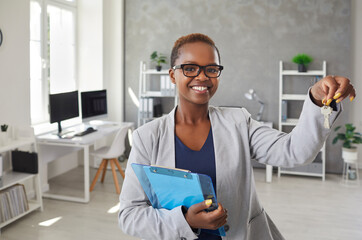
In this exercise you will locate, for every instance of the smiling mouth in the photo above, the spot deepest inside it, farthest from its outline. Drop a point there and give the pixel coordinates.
(201, 89)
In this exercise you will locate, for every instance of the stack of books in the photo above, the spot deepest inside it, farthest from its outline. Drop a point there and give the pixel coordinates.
(13, 202)
(167, 87)
(150, 108)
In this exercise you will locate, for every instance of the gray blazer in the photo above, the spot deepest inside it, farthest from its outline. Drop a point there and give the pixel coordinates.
(237, 139)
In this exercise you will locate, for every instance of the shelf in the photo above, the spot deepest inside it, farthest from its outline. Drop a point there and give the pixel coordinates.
(309, 73)
(301, 173)
(155, 94)
(11, 178)
(154, 91)
(300, 97)
(317, 167)
(312, 169)
(32, 207)
(13, 144)
(290, 122)
(149, 118)
(154, 71)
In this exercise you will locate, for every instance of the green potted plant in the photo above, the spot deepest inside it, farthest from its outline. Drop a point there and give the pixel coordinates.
(349, 138)
(302, 60)
(4, 127)
(158, 59)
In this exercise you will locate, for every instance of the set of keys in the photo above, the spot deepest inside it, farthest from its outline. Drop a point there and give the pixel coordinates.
(326, 111)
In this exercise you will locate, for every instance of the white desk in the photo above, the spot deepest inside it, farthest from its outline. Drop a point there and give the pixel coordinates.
(47, 153)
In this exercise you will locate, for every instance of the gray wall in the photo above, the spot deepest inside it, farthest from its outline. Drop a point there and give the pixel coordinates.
(252, 37)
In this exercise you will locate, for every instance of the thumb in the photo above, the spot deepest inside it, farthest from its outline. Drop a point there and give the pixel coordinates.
(198, 207)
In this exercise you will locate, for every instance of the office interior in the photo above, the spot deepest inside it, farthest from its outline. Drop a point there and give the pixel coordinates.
(112, 37)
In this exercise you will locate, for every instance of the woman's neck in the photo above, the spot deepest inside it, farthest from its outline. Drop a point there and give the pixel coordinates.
(192, 114)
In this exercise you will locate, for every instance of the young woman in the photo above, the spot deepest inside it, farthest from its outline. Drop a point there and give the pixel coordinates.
(219, 142)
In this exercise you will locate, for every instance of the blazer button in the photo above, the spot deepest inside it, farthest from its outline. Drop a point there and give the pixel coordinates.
(226, 227)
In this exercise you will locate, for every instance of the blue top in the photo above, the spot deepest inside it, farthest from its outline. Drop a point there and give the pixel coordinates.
(202, 161)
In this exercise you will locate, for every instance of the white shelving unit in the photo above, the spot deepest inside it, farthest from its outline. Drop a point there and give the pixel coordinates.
(147, 78)
(316, 168)
(11, 178)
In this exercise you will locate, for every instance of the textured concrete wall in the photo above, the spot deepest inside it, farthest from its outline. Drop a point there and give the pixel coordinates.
(252, 35)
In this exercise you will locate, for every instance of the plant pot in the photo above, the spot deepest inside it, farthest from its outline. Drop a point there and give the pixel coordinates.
(158, 68)
(350, 155)
(302, 68)
(3, 138)
(352, 174)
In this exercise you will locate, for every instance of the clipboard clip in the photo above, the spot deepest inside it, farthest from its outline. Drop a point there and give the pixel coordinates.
(171, 172)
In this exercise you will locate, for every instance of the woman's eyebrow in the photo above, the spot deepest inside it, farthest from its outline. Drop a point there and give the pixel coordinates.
(192, 62)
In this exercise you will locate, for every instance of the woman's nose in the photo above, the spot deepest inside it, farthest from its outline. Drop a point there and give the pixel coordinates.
(202, 76)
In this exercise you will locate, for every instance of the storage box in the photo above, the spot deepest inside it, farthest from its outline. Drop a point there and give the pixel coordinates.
(26, 162)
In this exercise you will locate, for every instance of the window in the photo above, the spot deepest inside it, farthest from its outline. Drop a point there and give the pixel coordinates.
(52, 53)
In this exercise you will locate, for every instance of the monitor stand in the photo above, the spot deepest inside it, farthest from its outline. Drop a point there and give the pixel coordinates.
(59, 129)
(61, 134)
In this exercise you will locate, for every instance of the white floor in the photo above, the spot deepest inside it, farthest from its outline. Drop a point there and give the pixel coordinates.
(302, 208)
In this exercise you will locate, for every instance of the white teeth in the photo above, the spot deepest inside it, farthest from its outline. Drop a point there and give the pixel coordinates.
(199, 88)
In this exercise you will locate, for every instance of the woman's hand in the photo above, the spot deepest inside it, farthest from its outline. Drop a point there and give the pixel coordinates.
(332, 87)
(196, 217)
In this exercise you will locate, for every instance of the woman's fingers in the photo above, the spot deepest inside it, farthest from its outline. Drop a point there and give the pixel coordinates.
(350, 92)
(344, 84)
(197, 217)
(330, 88)
(333, 87)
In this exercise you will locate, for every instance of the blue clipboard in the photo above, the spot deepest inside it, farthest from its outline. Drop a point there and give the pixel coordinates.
(169, 188)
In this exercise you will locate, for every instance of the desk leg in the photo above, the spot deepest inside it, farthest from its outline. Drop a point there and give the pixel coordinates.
(38, 193)
(84, 199)
(268, 173)
(86, 173)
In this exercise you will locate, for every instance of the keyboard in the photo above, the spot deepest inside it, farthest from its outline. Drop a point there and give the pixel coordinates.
(87, 131)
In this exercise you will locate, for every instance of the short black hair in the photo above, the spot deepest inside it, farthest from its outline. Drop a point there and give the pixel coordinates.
(191, 38)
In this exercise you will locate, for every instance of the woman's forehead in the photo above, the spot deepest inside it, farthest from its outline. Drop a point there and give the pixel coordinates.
(197, 52)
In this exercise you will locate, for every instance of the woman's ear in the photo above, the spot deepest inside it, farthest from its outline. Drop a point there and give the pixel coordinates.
(171, 72)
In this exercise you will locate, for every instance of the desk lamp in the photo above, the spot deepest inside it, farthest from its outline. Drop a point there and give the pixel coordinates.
(251, 95)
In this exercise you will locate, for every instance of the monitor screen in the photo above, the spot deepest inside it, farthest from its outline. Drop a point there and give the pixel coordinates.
(94, 103)
(63, 106)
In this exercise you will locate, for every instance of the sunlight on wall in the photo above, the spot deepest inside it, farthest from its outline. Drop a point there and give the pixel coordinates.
(133, 97)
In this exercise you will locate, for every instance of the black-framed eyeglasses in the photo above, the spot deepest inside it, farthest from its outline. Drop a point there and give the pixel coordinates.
(193, 70)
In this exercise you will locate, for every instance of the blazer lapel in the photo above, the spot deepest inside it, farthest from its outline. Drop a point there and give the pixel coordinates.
(166, 151)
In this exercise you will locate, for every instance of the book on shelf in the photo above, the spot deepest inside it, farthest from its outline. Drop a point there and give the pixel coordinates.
(1, 170)
(150, 107)
(13, 202)
(284, 110)
(167, 87)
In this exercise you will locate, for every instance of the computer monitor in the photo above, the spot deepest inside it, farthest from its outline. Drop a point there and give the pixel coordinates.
(94, 104)
(63, 106)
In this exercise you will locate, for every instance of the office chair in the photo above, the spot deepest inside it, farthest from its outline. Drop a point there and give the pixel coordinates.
(110, 154)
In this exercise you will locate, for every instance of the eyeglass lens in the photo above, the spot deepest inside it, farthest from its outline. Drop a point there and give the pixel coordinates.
(193, 70)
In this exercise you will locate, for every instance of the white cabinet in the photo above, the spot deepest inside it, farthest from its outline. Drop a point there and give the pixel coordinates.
(11, 178)
(154, 88)
(287, 122)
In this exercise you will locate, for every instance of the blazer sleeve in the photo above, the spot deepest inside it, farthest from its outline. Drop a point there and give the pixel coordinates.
(136, 216)
(298, 147)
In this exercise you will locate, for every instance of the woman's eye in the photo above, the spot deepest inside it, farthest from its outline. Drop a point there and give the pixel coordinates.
(212, 70)
(190, 69)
